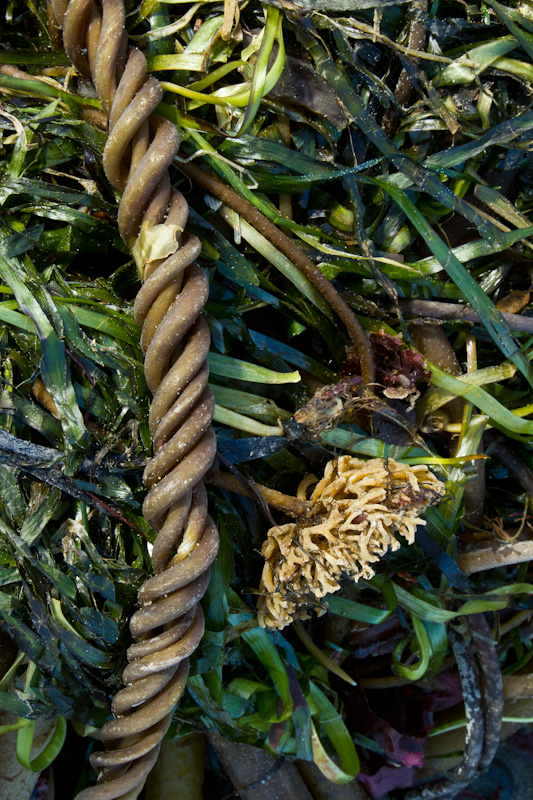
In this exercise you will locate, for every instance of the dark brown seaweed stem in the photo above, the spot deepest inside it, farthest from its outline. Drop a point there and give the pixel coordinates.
(460, 638)
(433, 309)
(416, 14)
(283, 502)
(492, 686)
(416, 11)
(474, 493)
(289, 248)
(507, 456)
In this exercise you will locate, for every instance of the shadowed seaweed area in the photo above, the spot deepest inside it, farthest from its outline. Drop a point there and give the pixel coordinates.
(385, 147)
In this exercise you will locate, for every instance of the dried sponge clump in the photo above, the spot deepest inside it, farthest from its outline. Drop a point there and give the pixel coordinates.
(355, 510)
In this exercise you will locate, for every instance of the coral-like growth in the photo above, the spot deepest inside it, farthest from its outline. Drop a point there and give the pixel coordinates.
(356, 510)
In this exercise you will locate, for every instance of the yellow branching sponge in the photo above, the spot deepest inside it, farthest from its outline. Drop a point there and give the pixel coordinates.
(356, 510)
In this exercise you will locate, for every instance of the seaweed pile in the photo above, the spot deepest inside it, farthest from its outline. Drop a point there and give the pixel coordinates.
(384, 147)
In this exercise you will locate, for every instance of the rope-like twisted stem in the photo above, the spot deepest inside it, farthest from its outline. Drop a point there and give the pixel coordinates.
(175, 338)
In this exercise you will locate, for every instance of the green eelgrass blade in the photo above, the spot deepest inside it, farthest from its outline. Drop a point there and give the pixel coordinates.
(337, 732)
(278, 259)
(497, 413)
(252, 405)
(50, 752)
(456, 478)
(419, 668)
(228, 367)
(244, 423)
(509, 17)
(192, 62)
(436, 396)
(469, 251)
(293, 356)
(484, 55)
(503, 133)
(54, 365)
(357, 611)
(260, 87)
(246, 688)
(491, 317)
(258, 640)
(41, 89)
(435, 613)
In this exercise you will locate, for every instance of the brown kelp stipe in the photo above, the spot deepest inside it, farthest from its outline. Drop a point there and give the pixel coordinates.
(175, 338)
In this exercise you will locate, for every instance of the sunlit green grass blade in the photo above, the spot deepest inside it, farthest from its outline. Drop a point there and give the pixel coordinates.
(11, 317)
(337, 732)
(469, 251)
(497, 413)
(258, 640)
(192, 62)
(228, 367)
(262, 82)
(502, 206)
(483, 56)
(413, 672)
(244, 423)
(456, 478)
(55, 370)
(252, 405)
(510, 17)
(433, 613)
(277, 259)
(50, 752)
(492, 319)
(104, 323)
(40, 89)
(436, 396)
(244, 687)
(357, 611)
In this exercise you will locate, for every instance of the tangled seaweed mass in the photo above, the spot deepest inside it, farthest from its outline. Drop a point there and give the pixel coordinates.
(357, 508)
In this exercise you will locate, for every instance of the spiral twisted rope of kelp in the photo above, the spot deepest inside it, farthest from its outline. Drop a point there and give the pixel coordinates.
(175, 339)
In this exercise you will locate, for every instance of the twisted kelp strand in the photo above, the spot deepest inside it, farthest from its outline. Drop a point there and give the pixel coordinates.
(175, 338)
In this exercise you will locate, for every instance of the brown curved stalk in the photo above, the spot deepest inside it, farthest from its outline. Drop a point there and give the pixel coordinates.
(427, 310)
(168, 626)
(416, 13)
(283, 502)
(298, 258)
